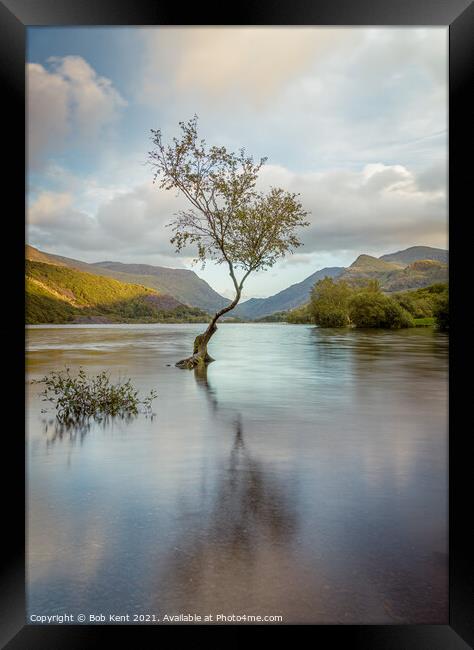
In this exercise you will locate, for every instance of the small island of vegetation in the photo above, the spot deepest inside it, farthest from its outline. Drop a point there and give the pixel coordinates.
(338, 303)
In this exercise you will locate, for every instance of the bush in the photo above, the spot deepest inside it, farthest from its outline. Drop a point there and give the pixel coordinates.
(374, 309)
(299, 315)
(329, 305)
(424, 322)
(80, 397)
(415, 304)
(441, 312)
(335, 317)
(395, 316)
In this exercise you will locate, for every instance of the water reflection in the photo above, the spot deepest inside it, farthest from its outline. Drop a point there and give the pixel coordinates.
(251, 507)
(74, 429)
(200, 375)
(313, 485)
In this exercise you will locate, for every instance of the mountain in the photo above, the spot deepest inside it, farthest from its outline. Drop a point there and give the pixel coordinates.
(291, 297)
(412, 268)
(396, 276)
(182, 284)
(366, 267)
(369, 264)
(185, 285)
(35, 255)
(392, 271)
(416, 253)
(59, 294)
(421, 273)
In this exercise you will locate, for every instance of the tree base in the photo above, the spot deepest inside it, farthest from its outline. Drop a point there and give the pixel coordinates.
(192, 362)
(199, 356)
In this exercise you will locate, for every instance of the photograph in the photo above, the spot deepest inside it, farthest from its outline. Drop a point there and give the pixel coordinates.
(237, 325)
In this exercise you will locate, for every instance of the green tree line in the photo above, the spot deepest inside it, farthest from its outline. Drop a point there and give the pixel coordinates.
(341, 304)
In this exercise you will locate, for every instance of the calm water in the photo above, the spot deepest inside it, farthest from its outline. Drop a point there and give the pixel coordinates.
(305, 476)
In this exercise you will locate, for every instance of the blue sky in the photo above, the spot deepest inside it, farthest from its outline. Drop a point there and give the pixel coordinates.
(355, 119)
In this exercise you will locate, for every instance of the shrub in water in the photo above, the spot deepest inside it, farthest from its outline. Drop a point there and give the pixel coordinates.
(79, 396)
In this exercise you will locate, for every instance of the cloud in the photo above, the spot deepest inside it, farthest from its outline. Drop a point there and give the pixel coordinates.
(48, 108)
(94, 222)
(353, 119)
(54, 221)
(49, 207)
(374, 208)
(228, 64)
(367, 210)
(67, 100)
(308, 98)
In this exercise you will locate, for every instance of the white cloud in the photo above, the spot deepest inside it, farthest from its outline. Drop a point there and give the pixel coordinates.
(353, 119)
(67, 99)
(376, 208)
(54, 220)
(309, 98)
(48, 100)
(49, 207)
(227, 64)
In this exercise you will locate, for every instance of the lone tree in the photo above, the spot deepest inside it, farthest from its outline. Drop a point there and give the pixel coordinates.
(228, 220)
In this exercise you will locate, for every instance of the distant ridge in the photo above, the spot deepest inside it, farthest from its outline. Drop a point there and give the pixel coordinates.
(291, 297)
(184, 285)
(57, 293)
(413, 268)
(415, 253)
(369, 263)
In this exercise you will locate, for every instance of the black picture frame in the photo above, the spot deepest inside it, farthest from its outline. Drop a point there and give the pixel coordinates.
(15, 17)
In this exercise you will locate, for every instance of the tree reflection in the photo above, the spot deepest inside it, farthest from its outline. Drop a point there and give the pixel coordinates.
(244, 530)
(75, 429)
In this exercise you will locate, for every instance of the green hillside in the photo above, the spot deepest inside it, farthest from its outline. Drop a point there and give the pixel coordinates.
(183, 284)
(391, 271)
(58, 294)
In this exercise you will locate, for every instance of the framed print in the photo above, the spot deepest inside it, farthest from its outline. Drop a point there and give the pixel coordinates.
(243, 352)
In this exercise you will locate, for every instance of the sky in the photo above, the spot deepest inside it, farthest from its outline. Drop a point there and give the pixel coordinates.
(353, 119)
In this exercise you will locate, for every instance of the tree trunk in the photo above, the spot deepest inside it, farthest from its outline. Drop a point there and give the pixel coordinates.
(200, 355)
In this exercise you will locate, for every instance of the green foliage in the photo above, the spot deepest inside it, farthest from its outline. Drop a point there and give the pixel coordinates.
(300, 315)
(227, 220)
(424, 322)
(78, 397)
(421, 303)
(374, 309)
(441, 311)
(276, 317)
(436, 288)
(42, 307)
(339, 303)
(329, 303)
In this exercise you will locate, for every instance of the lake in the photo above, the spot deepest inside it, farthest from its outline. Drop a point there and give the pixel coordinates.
(305, 476)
